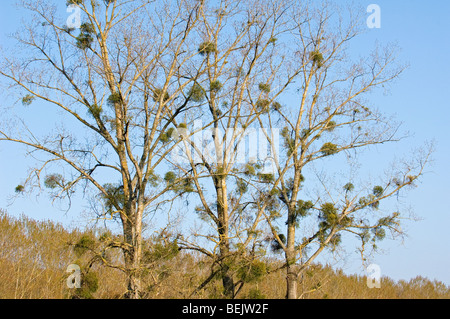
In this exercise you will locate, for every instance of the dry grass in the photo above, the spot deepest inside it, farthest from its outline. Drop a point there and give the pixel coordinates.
(34, 257)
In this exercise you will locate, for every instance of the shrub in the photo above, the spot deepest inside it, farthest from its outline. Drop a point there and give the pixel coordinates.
(89, 285)
(105, 236)
(161, 250)
(252, 272)
(255, 293)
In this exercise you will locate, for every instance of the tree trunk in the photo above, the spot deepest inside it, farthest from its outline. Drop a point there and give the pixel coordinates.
(227, 279)
(291, 271)
(132, 255)
(291, 282)
(224, 243)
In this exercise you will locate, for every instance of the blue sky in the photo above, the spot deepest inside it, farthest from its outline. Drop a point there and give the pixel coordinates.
(420, 99)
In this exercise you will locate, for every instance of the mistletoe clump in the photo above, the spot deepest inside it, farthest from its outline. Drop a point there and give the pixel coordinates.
(329, 149)
(158, 94)
(317, 58)
(85, 39)
(197, 93)
(207, 48)
(215, 86)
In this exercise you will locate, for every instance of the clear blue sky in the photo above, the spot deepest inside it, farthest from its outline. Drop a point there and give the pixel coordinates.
(420, 99)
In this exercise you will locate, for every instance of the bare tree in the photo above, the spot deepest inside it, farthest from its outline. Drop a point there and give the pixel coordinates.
(245, 74)
(119, 81)
(331, 116)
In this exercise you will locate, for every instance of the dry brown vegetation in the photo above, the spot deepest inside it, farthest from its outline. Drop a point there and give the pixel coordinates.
(34, 256)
